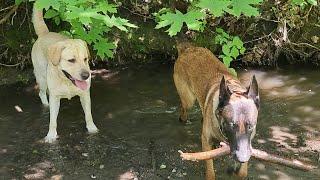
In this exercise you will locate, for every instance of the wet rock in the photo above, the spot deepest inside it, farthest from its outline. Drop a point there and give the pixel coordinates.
(129, 175)
(3, 151)
(93, 176)
(163, 166)
(56, 177)
(38, 174)
(44, 165)
(85, 154)
(18, 108)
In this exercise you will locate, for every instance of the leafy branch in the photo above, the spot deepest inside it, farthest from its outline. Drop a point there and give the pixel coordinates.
(195, 18)
(90, 20)
(232, 47)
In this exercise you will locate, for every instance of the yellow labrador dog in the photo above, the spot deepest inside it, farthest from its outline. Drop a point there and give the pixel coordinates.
(61, 66)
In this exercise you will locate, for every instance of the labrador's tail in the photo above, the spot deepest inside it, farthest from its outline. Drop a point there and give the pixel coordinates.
(38, 22)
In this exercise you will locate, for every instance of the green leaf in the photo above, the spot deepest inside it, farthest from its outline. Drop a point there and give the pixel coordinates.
(77, 2)
(233, 72)
(237, 42)
(244, 7)
(219, 30)
(242, 50)
(298, 2)
(118, 22)
(51, 13)
(18, 2)
(216, 7)
(192, 19)
(313, 2)
(57, 20)
(79, 13)
(234, 52)
(105, 7)
(226, 49)
(104, 48)
(46, 4)
(66, 33)
(227, 60)
(217, 39)
(175, 21)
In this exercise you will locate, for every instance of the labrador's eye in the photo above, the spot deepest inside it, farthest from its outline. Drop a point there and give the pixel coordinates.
(72, 60)
(85, 59)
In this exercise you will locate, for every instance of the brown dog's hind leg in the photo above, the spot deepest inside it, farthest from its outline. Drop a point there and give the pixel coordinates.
(187, 98)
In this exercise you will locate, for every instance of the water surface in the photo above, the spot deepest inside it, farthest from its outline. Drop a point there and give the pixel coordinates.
(137, 114)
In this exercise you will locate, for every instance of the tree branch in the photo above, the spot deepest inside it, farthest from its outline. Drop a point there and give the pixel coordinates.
(7, 16)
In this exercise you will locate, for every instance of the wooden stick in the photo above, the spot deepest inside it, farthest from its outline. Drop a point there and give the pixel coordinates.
(258, 154)
(221, 151)
(293, 163)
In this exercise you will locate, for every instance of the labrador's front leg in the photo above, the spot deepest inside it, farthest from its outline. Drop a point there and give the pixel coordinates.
(54, 110)
(86, 105)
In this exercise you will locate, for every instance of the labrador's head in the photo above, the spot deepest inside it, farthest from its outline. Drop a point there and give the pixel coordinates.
(237, 114)
(71, 56)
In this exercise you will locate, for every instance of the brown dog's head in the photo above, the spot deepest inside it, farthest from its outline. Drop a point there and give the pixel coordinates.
(71, 56)
(237, 113)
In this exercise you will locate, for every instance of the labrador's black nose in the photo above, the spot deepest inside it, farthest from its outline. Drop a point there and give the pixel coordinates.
(85, 75)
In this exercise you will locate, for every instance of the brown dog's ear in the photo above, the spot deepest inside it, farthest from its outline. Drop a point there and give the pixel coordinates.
(253, 91)
(54, 52)
(224, 93)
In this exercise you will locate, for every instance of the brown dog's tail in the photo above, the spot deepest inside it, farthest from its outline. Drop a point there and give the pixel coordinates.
(38, 22)
(182, 46)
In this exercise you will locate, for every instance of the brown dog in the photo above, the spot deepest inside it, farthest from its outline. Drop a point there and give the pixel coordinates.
(229, 110)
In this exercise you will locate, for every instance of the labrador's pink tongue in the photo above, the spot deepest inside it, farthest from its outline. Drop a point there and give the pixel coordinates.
(83, 85)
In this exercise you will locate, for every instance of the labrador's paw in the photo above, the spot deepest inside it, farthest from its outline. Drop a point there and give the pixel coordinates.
(92, 129)
(50, 138)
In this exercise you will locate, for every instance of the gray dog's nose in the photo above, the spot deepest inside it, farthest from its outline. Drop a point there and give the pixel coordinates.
(85, 75)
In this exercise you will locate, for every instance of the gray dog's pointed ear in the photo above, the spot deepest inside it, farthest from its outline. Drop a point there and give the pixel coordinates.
(224, 93)
(54, 52)
(253, 91)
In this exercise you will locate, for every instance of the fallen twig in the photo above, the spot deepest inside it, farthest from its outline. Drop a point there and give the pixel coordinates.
(258, 154)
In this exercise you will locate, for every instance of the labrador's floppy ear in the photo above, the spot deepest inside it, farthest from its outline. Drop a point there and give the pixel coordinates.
(54, 52)
(88, 51)
(253, 91)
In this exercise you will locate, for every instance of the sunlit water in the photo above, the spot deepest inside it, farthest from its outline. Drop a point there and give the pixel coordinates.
(137, 114)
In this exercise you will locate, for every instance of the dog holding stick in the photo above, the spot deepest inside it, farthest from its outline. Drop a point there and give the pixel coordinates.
(229, 110)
